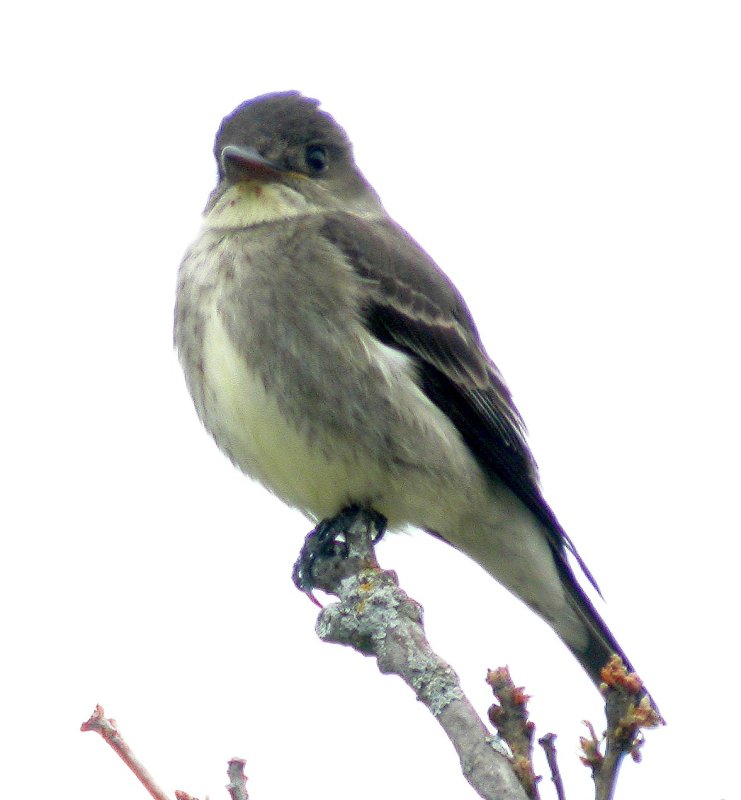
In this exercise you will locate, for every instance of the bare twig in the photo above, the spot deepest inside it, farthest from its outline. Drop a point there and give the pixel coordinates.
(377, 619)
(99, 723)
(510, 717)
(548, 743)
(629, 710)
(237, 786)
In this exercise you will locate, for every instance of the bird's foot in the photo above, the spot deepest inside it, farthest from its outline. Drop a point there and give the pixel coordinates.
(330, 544)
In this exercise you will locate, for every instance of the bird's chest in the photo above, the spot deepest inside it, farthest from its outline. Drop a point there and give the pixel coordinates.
(250, 423)
(250, 353)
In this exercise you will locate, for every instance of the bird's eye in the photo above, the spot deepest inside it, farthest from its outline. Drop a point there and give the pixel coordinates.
(317, 158)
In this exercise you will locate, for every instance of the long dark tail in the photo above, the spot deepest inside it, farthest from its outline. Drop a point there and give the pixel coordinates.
(600, 644)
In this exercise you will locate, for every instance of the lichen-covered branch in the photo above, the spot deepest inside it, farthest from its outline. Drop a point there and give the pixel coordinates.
(376, 618)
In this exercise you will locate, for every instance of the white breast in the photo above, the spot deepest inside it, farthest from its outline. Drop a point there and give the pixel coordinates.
(249, 426)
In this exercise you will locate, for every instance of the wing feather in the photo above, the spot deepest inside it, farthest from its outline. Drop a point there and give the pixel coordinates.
(411, 305)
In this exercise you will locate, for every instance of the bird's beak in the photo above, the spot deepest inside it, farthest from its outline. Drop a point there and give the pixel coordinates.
(241, 163)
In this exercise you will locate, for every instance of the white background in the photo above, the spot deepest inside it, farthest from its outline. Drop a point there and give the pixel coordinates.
(575, 168)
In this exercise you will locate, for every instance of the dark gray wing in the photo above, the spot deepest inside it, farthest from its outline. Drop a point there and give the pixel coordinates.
(412, 306)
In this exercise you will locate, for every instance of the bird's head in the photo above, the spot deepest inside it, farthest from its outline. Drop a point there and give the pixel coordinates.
(282, 146)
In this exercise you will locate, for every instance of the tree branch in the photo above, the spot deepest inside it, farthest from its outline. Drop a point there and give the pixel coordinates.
(237, 786)
(548, 743)
(376, 618)
(99, 723)
(629, 710)
(107, 728)
(510, 717)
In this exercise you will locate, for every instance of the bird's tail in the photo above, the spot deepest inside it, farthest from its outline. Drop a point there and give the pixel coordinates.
(599, 645)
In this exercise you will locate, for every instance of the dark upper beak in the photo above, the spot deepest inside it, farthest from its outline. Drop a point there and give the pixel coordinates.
(240, 163)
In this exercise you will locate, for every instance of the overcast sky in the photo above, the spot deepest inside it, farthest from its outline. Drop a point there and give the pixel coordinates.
(575, 168)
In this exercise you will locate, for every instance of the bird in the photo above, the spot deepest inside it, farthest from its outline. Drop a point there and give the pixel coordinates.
(333, 361)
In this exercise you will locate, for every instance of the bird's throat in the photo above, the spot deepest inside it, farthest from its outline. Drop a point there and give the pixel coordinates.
(250, 202)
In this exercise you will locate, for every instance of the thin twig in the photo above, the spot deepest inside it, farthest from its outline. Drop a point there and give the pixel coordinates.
(99, 723)
(548, 743)
(629, 710)
(237, 786)
(510, 717)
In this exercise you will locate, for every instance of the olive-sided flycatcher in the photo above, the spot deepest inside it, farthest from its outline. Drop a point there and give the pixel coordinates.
(333, 361)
